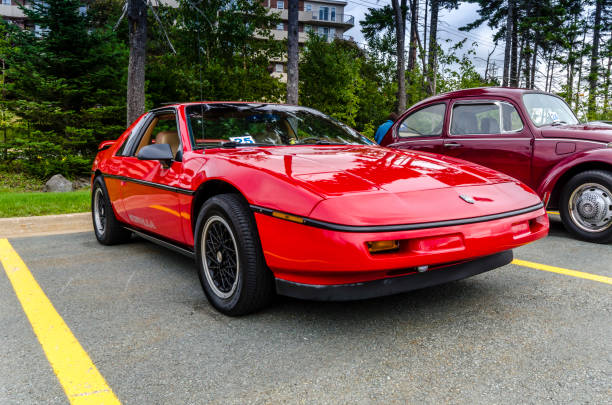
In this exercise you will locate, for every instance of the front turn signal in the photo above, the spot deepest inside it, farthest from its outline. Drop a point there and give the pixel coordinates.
(383, 246)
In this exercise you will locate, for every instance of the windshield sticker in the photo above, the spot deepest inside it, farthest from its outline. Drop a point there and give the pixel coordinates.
(553, 116)
(242, 139)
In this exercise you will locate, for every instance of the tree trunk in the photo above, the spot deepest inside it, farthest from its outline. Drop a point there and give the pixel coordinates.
(534, 62)
(293, 54)
(526, 56)
(552, 72)
(412, 50)
(514, 56)
(509, 19)
(400, 34)
(607, 87)
(521, 53)
(137, 20)
(425, 41)
(594, 60)
(579, 81)
(433, 47)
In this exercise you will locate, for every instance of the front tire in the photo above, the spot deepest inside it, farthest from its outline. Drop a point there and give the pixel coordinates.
(586, 206)
(107, 228)
(231, 266)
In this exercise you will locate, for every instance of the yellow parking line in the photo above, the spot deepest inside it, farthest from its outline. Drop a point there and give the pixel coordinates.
(77, 374)
(560, 270)
(553, 212)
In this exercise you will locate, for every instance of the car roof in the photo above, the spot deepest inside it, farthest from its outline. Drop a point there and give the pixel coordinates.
(509, 92)
(254, 103)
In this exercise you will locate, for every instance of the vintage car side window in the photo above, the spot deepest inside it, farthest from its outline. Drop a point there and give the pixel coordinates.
(424, 122)
(487, 118)
(469, 119)
(511, 121)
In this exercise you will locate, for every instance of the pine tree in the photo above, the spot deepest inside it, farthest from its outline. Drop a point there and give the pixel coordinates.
(66, 80)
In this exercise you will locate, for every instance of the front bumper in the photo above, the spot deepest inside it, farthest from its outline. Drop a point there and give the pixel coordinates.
(305, 254)
(395, 285)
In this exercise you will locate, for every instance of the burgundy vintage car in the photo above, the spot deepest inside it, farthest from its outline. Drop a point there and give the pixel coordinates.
(530, 135)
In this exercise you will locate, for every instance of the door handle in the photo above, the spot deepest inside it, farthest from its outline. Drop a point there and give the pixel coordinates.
(452, 145)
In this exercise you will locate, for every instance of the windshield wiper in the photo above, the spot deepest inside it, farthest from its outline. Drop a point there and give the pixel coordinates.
(558, 122)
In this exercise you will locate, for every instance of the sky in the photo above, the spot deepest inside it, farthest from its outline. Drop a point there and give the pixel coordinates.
(449, 22)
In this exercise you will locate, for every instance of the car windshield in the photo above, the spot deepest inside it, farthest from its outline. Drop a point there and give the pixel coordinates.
(544, 109)
(212, 125)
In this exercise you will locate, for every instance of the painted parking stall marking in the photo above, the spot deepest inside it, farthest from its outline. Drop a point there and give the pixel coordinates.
(79, 377)
(560, 270)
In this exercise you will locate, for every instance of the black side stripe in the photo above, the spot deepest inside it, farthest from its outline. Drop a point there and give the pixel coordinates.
(150, 184)
(401, 227)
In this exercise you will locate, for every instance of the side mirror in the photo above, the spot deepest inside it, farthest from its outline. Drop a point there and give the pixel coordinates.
(156, 151)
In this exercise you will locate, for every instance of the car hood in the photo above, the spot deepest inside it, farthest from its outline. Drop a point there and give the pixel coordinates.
(338, 170)
(588, 132)
(371, 185)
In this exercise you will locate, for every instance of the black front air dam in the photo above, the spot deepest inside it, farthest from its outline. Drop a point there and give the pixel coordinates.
(394, 285)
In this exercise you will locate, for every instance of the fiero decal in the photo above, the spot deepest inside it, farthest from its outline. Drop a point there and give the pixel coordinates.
(147, 223)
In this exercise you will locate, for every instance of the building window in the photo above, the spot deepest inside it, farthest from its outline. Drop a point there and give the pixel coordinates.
(6, 2)
(280, 4)
(280, 26)
(308, 28)
(279, 68)
(324, 13)
(333, 14)
(308, 7)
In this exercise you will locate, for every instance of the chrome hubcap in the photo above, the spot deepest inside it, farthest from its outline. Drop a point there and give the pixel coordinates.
(99, 209)
(590, 207)
(220, 257)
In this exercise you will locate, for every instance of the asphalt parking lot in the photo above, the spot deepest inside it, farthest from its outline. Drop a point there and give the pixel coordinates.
(513, 335)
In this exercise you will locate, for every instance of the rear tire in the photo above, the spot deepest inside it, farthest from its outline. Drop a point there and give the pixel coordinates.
(107, 228)
(231, 266)
(586, 206)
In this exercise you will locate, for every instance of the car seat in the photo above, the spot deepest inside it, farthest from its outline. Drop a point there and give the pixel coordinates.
(489, 126)
(168, 137)
(465, 123)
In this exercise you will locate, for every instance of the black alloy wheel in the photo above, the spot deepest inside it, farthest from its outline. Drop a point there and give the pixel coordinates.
(231, 266)
(107, 228)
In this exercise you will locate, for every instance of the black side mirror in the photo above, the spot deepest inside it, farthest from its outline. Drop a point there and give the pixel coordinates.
(156, 151)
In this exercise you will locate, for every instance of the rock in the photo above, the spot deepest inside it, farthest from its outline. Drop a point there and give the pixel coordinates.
(58, 183)
(81, 183)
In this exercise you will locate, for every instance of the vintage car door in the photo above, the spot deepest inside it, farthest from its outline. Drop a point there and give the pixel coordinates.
(421, 129)
(491, 133)
(150, 188)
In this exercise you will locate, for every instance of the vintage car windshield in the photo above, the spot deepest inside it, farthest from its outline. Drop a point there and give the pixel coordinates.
(211, 125)
(544, 109)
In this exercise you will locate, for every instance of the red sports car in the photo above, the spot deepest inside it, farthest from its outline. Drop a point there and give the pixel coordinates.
(273, 198)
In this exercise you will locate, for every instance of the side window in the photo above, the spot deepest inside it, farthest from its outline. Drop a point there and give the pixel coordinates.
(132, 138)
(469, 119)
(487, 118)
(511, 120)
(424, 122)
(162, 129)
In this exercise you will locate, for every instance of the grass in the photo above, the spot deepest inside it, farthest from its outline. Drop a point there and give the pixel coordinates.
(24, 204)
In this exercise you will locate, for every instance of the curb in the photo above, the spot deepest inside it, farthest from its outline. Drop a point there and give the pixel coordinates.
(20, 227)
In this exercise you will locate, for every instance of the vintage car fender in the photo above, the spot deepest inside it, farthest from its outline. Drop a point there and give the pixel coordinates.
(548, 184)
